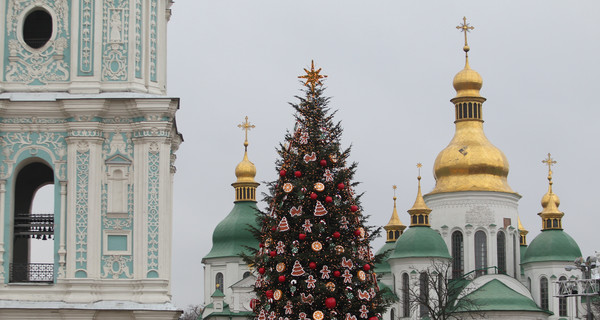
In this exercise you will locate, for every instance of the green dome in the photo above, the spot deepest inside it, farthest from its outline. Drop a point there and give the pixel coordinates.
(384, 267)
(232, 234)
(420, 241)
(552, 245)
(497, 296)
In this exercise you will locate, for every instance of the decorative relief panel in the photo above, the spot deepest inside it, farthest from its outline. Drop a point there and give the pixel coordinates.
(480, 216)
(153, 208)
(138, 38)
(14, 142)
(153, 38)
(116, 267)
(81, 208)
(115, 37)
(37, 66)
(86, 38)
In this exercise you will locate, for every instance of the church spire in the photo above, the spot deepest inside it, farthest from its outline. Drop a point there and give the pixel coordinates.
(245, 186)
(394, 228)
(419, 213)
(551, 216)
(522, 233)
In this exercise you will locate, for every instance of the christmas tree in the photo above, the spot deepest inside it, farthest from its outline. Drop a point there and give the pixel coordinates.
(315, 259)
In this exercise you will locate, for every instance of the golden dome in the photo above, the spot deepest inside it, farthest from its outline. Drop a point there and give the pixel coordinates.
(419, 213)
(470, 162)
(467, 82)
(551, 216)
(245, 170)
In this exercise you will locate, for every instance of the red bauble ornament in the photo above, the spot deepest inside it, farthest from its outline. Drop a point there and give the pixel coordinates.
(302, 236)
(323, 162)
(328, 199)
(281, 278)
(341, 186)
(273, 228)
(357, 232)
(269, 294)
(261, 245)
(337, 274)
(298, 174)
(353, 208)
(336, 234)
(367, 267)
(312, 265)
(331, 303)
(373, 318)
(273, 253)
(313, 196)
(282, 173)
(261, 270)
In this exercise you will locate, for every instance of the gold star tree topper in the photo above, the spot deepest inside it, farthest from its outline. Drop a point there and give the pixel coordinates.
(312, 76)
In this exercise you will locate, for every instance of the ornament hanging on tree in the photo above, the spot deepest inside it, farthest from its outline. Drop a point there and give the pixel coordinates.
(304, 138)
(316, 246)
(320, 209)
(328, 175)
(283, 225)
(318, 315)
(310, 157)
(297, 270)
(325, 272)
(330, 303)
(277, 294)
(307, 226)
(280, 267)
(319, 186)
(296, 211)
(288, 187)
(280, 247)
(310, 282)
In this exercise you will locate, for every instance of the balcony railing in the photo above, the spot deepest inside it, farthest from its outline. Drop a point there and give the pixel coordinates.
(32, 272)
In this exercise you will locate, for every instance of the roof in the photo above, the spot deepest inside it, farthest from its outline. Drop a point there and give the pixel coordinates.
(552, 245)
(420, 241)
(228, 313)
(497, 296)
(233, 233)
(217, 294)
(384, 266)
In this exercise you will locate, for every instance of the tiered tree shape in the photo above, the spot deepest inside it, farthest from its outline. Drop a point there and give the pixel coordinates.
(315, 260)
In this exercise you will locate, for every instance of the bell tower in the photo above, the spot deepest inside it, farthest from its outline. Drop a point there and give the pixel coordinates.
(83, 107)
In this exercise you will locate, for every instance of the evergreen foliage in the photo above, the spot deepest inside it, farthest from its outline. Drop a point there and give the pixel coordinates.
(314, 260)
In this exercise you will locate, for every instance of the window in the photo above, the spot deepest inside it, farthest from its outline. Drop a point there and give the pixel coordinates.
(458, 255)
(392, 314)
(423, 294)
(480, 253)
(544, 293)
(405, 296)
(37, 28)
(562, 302)
(219, 281)
(529, 284)
(501, 246)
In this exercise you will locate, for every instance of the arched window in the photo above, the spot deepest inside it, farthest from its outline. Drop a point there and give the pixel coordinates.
(458, 255)
(219, 281)
(501, 250)
(392, 314)
(544, 293)
(562, 302)
(516, 251)
(405, 296)
(32, 259)
(423, 294)
(480, 253)
(529, 283)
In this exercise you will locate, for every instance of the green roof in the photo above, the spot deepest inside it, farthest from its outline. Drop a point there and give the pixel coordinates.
(420, 241)
(228, 313)
(218, 293)
(552, 245)
(497, 296)
(384, 267)
(232, 234)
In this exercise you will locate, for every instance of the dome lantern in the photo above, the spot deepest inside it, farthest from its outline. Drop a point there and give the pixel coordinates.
(245, 186)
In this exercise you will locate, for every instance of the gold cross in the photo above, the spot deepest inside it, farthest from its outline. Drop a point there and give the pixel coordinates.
(313, 77)
(419, 165)
(549, 162)
(394, 187)
(246, 126)
(465, 27)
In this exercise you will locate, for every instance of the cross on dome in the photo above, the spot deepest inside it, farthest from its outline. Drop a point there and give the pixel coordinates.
(246, 126)
(465, 27)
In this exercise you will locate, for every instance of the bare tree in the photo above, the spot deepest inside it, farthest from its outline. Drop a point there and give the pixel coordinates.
(435, 295)
(192, 312)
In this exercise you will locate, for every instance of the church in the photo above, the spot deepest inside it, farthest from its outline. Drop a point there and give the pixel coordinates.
(467, 229)
(84, 109)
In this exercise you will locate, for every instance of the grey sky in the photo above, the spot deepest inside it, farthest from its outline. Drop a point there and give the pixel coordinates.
(390, 66)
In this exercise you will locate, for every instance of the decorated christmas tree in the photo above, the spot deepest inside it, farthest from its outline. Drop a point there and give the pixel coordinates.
(315, 260)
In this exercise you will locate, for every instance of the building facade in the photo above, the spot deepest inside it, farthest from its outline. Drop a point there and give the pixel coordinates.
(83, 107)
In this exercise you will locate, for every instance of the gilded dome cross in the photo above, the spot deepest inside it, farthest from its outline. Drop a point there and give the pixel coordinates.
(465, 27)
(246, 126)
(549, 162)
(313, 77)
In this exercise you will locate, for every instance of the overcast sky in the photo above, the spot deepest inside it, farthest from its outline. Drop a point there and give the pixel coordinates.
(390, 66)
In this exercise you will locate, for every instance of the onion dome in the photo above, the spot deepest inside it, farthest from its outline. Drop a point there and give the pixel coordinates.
(394, 230)
(551, 216)
(232, 235)
(420, 240)
(470, 162)
(552, 244)
(523, 233)
(394, 227)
